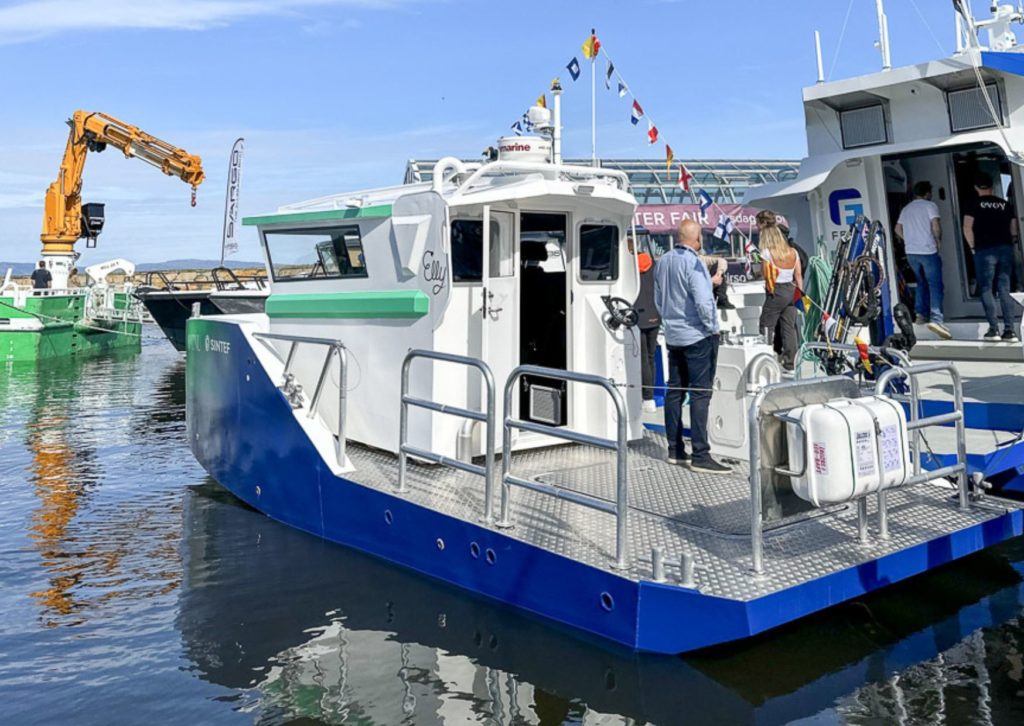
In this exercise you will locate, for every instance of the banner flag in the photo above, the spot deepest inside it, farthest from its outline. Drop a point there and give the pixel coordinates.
(685, 177)
(591, 47)
(574, 69)
(705, 201)
(229, 243)
(636, 112)
(669, 157)
(622, 88)
(652, 133)
(608, 76)
(725, 227)
(862, 350)
(542, 101)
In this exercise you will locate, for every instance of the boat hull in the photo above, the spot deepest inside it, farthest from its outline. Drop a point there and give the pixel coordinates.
(243, 431)
(172, 309)
(55, 326)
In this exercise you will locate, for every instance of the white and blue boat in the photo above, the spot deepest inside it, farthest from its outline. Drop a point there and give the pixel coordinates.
(446, 376)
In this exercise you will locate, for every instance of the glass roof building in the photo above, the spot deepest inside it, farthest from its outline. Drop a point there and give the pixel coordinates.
(724, 179)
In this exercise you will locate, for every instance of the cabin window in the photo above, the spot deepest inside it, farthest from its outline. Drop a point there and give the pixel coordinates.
(599, 253)
(468, 251)
(305, 254)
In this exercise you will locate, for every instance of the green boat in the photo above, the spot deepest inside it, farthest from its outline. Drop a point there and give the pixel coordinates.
(56, 323)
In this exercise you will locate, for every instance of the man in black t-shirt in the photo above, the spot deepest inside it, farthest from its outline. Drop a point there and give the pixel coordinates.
(990, 228)
(41, 277)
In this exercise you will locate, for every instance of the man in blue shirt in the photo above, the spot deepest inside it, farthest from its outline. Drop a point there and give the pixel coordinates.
(684, 298)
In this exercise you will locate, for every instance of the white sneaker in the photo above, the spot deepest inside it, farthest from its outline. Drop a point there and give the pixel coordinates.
(650, 406)
(940, 330)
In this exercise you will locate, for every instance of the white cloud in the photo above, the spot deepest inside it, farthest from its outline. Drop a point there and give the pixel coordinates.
(34, 19)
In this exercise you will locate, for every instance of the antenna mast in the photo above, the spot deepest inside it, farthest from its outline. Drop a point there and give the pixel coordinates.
(883, 35)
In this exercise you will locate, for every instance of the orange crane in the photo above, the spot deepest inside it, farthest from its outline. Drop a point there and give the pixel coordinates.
(63, 220)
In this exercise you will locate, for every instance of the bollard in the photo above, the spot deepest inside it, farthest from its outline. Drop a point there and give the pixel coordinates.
(658, 564)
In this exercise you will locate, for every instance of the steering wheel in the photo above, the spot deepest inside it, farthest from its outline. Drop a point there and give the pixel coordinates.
(621, 313)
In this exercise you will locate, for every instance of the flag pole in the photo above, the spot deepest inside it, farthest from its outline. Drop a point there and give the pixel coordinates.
(593, 101)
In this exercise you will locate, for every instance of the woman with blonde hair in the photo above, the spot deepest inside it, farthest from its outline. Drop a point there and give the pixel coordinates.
(783, 276)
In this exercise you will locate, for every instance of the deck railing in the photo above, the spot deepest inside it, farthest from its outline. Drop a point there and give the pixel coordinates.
(293, 391)
(914, 426)
(486, 417)
(620, 508)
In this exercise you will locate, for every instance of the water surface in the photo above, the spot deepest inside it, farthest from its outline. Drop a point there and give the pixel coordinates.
(133, 589)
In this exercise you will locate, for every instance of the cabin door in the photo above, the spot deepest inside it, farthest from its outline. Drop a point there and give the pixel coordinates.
(500, 334)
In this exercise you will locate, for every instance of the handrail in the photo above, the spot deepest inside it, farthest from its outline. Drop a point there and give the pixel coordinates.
(754, 435)
(215, 274)
(554, 171)
(487, 417)
(334, 348)
(817, 345)
(621, 506)
(915, 424)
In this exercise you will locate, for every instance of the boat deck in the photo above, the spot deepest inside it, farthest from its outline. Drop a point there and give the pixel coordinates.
(678, 511)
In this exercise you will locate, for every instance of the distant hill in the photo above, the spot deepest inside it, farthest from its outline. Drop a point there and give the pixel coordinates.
(20, 269)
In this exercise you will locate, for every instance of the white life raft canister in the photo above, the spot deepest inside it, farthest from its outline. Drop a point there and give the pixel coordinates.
(847, 448)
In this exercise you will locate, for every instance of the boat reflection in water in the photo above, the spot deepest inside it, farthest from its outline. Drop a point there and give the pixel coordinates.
(81, 423)
(304, 628)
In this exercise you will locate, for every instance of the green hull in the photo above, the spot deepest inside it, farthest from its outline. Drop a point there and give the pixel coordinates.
(65, 330)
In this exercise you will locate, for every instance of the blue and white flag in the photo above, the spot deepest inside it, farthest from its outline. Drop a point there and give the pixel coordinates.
(705, 201)
(574, 68)
(725, 227)
(622, 88)
(517, 128)
(608, 75)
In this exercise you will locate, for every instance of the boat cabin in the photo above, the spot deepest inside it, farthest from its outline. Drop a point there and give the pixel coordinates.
(510, 261)
(870, 139)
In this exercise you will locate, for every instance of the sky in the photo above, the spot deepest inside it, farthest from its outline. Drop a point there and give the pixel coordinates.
(335, 96)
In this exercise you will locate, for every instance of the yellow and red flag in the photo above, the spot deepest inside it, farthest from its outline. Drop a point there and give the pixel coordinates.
(669, 157)
(862, 351)
(591, 46)
(771, 274)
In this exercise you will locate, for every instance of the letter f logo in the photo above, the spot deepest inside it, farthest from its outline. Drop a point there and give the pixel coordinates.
(844, 206)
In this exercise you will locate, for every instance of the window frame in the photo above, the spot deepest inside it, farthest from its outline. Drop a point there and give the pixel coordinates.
(328, 232)
(479, 280)
(615, 258)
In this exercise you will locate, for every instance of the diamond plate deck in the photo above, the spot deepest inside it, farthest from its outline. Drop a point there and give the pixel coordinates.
(678, 511)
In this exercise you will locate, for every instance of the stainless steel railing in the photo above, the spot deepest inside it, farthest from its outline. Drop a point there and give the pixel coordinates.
(334, 348)
(915, 423)
(620, 508)
(914, 426)
(486, 417)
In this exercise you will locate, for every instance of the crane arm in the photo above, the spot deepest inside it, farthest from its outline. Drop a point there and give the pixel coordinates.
(62, 214)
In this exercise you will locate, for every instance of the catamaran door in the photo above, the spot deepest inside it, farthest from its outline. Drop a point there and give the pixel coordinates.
(500, 341)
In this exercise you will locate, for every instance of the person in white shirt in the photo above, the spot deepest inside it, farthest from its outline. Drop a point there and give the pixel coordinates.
(921, 232)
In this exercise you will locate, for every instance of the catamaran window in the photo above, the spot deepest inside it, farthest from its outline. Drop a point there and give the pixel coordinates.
(468, 251)
(302, 254)
(599, 253)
